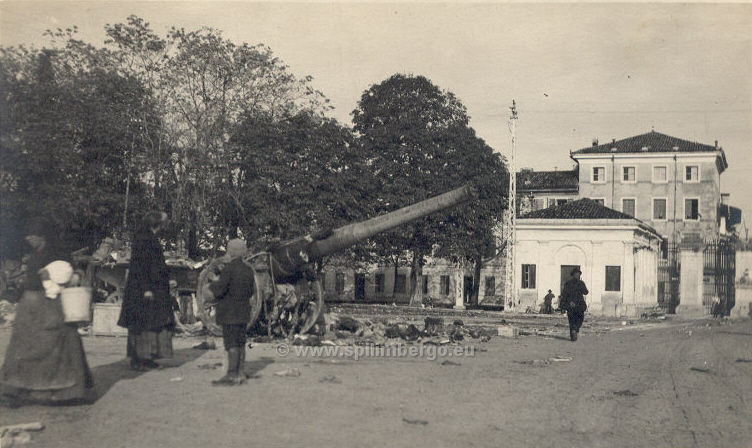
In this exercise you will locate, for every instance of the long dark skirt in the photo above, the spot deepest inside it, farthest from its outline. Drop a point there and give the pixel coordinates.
(45, 359)
(150, 344)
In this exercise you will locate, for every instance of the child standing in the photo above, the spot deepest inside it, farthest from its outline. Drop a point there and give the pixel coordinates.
(232, 291)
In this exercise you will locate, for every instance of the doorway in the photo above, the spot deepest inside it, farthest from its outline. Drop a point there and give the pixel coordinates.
(467, 289)
(360, 286)
(566, 274)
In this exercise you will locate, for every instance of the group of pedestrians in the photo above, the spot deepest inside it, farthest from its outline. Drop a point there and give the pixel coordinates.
(45, 360)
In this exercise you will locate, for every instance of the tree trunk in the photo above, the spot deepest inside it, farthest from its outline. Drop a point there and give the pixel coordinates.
(416, 280)
(193, 241)
(475, 295)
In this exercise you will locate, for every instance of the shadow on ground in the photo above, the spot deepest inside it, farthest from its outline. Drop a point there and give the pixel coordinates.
(252, 368)
(108, 375)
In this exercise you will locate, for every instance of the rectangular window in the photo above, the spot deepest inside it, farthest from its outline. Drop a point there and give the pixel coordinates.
(551, 202)
(425, 284)
(561, 201)
(539, 203)
(692, 209)
(659, 174)
(599, 174)
(400, 284)
(692, 173)
(445, 285)
(613, 278)
(629, 174)
(600, 201)
(490, 286)
(379, 283)
(628, 207)
(659, 209)
(528, 276)
(339, 282)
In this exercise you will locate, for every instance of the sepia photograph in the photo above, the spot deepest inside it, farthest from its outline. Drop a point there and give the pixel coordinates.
(375, 224)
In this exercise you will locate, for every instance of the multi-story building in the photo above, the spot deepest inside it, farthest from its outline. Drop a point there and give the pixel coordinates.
(674, 185)
(542, 189)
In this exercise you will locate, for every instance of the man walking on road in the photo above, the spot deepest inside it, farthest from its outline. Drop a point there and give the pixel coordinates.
(573, 302)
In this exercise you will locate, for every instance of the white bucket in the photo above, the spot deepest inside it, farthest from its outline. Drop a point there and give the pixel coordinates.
(76, 304)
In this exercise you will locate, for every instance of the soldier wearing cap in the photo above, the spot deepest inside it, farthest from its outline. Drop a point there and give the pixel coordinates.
(573, 302)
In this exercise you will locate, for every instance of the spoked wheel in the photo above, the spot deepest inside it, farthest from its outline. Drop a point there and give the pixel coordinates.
(300, 317)
(312, 305)
(206, 309)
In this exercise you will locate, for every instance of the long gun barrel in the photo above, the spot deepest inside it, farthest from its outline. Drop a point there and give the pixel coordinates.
(294, 254)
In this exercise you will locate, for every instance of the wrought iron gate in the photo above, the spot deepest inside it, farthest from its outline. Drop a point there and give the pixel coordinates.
(719, 272)
(669, 277)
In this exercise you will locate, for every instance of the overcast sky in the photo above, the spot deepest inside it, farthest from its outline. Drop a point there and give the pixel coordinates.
(577, 71)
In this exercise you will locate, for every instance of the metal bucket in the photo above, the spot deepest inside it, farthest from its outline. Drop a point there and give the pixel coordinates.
(76, 304)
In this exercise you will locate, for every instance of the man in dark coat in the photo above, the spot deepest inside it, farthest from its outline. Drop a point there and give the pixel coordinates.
(147, 309)
(232, 292)
(573, 302)
(547, 309)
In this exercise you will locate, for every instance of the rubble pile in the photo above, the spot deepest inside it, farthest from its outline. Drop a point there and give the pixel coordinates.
(347, 330)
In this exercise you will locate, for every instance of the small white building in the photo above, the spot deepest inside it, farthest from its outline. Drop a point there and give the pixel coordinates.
(617, 254)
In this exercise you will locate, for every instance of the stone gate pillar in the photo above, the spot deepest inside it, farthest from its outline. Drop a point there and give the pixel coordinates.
(690, 289)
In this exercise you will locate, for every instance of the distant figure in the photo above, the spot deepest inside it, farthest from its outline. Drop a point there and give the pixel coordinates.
(232, 292)
(547, 308)
(573, 302)
(745, 280)
(716, 308)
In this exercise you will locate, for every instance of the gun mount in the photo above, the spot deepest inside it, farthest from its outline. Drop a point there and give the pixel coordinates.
(288, 297)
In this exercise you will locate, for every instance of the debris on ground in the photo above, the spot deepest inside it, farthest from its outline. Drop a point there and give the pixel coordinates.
(414, 422)
(743, 360)
(625, 393)
(433, 326)
(206, 345)
(330, 379)
(700, 369)
(176, 379)
(508, 331)
(535, 362)
(410, 333)
(288, 372)
(210, 366)
(450, 363)
(545, 362)
(306, 339)
(347, 323)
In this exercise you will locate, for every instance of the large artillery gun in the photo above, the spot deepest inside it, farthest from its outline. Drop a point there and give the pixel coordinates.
(288, 297)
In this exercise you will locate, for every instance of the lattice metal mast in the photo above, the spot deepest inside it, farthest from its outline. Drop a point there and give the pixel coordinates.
(511, 220)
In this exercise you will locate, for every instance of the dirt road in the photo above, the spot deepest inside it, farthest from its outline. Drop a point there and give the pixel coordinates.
(670, 384)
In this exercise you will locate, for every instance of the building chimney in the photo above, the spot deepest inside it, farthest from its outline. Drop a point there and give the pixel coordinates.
(595, 141)
(613, 140)
(716, 144)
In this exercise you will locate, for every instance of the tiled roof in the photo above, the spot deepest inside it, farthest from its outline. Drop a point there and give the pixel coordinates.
(547, 180)
(650, 142)
(580, 209)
